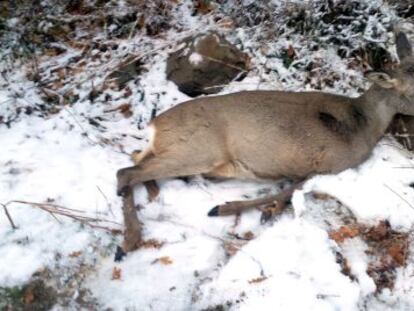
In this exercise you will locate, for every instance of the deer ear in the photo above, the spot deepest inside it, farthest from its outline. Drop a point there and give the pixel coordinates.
(382, 79)
(404, 48)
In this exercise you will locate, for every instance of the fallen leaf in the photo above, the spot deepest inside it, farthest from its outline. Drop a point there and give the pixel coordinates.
(386, 249)
(75, 254)
(28, 296)
(61, 73)
(345, 232)
(291, 52)
(165, 260)
(116, 231)
(152, 243)
(226, 23)
(258, 280)
(378, 232)
(127, 92)
(116, 273)
(248, 235)
(230, 249)
(322, 196)
(141, 22)
(125, 109)
(398, 252)
(203, 6)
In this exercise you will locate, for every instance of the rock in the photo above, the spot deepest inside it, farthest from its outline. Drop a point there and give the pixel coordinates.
(205, 64)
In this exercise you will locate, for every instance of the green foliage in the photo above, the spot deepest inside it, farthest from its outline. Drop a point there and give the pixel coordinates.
(11, 297)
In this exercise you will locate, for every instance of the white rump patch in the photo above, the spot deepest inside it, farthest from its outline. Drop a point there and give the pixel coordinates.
(151, 136)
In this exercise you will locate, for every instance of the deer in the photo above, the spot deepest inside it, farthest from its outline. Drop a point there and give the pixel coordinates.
(267, 135)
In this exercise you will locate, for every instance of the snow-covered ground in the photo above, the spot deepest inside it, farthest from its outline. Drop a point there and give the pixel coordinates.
(190, 261)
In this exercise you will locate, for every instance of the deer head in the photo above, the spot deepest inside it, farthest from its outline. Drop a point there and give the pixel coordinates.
(400, 81)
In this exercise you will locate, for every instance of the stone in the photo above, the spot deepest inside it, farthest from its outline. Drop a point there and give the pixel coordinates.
(206, 64)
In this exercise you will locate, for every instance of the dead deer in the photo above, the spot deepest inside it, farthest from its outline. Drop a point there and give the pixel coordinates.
(268, 135)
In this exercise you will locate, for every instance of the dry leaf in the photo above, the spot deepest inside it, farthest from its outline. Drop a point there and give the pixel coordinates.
(258, 280)
(127, 91)
(141, 22)
(230, 249)
(225, 23)
(56, 85)
(248, 235)
(61, 73)
(379, 232)
(28, 296)
(398, 252)
(203, 6)
(291, 52)
(125, 109)
(116, 273)
(116, 231)
(165, 260)
(322, 196)
(75, 254)
(152, 243)
(345, 232)
(387, 250)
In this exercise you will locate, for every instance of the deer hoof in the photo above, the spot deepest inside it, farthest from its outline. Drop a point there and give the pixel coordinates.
(271, 211)
(123, 191)
(123, 182)
(214, 212)
(119, 254)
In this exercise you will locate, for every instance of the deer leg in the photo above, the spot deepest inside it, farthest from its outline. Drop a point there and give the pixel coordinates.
(159, 167)
(270, 206)
(132, 233)
(150, 168)
(153, 190)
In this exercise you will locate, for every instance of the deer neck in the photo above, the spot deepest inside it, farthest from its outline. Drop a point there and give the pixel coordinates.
(379, 106)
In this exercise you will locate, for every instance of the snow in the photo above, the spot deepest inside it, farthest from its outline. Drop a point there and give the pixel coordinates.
(355, 250)
(383, 183)
(289, 267)
(290, 264)
(195, 59)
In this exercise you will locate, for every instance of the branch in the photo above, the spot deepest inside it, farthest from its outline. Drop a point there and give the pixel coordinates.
(14, 227)
(74, 214)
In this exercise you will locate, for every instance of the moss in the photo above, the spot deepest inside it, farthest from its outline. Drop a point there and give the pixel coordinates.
(11, 298)
(34, 296)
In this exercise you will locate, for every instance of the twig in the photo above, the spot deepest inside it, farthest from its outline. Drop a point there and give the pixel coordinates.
(106, 199)
(133, 28)
(399, 195)
(224, 63)
(14, 227)
(74, 214)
